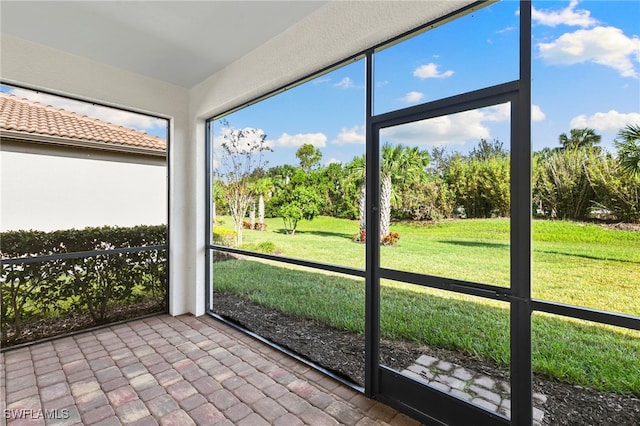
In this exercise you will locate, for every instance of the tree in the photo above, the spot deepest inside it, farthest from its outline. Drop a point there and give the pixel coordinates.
(357, 172)
(580, 138)
(399, 163)
(481, 180)
(485, 150)
(263, 187)
(309, 156)
(562, 187)
(301, 203)
(615, 189)
(629, 149)
(241, 155)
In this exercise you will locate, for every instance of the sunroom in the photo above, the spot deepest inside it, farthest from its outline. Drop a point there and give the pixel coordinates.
(377, 195)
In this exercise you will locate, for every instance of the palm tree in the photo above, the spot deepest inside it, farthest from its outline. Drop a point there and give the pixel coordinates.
(629, 149)
(580, 138)
(399, 163)
(264, 188)
(357, 172)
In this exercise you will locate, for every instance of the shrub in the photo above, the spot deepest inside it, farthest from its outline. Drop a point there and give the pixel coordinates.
(616, 191)
(263, 247)
(93, 284)
(391, 239)
(224, 237)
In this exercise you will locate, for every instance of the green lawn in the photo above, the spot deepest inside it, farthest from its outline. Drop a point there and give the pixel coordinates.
(578, 264)
(573, 263)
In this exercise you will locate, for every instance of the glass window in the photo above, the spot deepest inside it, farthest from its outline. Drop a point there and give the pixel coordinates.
(472, 52)
(586, 98)
(445, 196)
(288, 171)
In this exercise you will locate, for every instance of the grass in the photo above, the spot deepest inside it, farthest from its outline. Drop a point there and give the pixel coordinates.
(578, 264)
(573, 263)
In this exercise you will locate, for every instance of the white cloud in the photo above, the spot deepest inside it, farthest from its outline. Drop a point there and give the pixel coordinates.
(286, 140)
(119, 117)
(430, 70)
(454, 129)
(611, 121)
(537, 114)
(507, 29)
(567, 16)
(413, 97)
(607, 46)
(333, 161)
(321, 80)
(354, 135)
(345, 83)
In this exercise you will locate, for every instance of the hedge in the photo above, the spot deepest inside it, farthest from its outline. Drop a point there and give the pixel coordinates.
(93, 285)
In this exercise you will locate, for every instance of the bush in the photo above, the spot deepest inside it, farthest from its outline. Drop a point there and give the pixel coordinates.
(481, 186)
(224, 237)
(391, 239)
(615, 190)
(93, 284)
(263, 247)
(562, 187)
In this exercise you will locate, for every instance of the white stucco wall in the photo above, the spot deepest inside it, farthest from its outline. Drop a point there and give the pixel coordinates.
(334, 32)
(50, 192)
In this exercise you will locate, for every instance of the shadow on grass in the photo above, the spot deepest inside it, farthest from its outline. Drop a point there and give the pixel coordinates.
(586, 256)
(318, 233)
(477, 244)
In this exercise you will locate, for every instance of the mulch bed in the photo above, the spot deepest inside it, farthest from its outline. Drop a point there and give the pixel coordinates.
(74, 321)
(343, 354)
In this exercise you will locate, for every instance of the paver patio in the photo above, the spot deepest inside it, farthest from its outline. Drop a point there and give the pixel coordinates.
(174, 371)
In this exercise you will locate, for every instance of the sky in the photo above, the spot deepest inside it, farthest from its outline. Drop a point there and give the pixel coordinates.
(586, 73)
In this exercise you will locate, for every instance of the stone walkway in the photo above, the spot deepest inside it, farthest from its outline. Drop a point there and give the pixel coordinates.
(174, 371)
(463, 383)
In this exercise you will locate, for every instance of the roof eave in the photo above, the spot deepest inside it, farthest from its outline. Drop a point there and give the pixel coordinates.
(79, 143)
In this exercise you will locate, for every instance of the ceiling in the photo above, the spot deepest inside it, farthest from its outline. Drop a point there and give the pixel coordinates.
(180, 42)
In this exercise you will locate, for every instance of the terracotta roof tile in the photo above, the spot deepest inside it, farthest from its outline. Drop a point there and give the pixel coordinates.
(23, 115)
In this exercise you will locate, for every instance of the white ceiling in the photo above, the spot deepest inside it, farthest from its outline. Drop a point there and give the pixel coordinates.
(181, 42)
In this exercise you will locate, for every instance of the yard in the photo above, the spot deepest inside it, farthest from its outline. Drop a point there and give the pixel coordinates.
(574, 263)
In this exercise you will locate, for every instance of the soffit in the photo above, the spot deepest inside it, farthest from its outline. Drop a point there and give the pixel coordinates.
(180, 42)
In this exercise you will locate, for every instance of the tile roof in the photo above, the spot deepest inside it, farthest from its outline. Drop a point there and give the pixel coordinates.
(29, 117)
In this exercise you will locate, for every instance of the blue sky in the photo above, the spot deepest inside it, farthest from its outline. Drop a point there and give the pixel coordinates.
(586, 73)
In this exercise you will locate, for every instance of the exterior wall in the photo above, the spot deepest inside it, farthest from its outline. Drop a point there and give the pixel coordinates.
(51, 191)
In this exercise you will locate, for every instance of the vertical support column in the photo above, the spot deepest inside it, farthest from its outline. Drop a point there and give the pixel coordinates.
(521, 217)
(372, 295)
(208, 188)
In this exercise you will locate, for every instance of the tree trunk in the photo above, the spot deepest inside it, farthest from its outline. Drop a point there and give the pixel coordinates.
(385, 206)
(252, 215)
(261, 213)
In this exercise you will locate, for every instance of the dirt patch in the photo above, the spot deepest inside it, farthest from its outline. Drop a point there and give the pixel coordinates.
(343, 353)
(634, 227)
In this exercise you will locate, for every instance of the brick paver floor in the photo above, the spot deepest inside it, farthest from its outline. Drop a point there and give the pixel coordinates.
(174, 371)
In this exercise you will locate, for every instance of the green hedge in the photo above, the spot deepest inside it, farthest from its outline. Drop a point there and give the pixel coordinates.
(96, 286)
